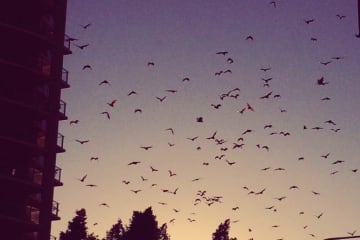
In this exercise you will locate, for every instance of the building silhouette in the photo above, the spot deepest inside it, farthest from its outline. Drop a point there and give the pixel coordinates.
(32, 46)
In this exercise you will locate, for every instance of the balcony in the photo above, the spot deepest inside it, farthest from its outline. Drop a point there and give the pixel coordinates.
(62, 110)
(57, 176)
(60, 143)
(67, 42)
(55, 211)
(65, 78)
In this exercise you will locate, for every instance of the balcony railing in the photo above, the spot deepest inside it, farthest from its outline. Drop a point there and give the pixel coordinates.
(67, 42)
(62, 108)
(65, 76)
(60, 140)
(58, 174)
(55, 208)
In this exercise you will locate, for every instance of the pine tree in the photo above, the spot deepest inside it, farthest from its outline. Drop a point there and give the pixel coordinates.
(143, 226)
(77, 229)
(116, 232)
(222, 232)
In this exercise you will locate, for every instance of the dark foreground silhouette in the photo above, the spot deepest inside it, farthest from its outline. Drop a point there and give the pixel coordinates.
(142, 226)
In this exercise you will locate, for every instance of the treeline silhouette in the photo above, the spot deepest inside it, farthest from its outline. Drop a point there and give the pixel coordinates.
(142, 226)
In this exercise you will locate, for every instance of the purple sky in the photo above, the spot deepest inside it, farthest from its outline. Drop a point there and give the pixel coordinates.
(182, 39)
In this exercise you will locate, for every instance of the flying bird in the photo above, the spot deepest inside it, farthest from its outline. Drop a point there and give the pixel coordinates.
(150, 64)
(82, 141)
(308, 21)
(85, 26)
(105, 82)
(112, 103)
(161, 99)
(249, 107)
(138, 110)
(107, 114)
(134, 163)
(83, 178)
(222, 53)
(82, 47)
(321, 81)
(340, 16)
(146, 147)
(104, 204)
(132, 93)
(87, 66)
(74, 122)
(249, 37)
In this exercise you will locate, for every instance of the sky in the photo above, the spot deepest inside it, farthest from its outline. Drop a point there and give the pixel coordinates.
(283, 153)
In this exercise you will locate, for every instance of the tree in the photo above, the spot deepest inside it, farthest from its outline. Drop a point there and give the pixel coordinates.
(222, 232)
(163, 233)
(143, 226)
(77, 229)
(116, 232)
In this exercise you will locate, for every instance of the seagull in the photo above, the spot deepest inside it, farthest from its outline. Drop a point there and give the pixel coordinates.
(266, 96)
(230, 60)
(199, 119)
(104, 204)
(138, 110)
(193, 138)
(171, 174)
(326, 63)
(171, 90)
(186, 79)
(216, 106)
(150, 64)
(94, 158)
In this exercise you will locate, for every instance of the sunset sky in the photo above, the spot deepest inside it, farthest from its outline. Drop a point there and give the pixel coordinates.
(298, 41)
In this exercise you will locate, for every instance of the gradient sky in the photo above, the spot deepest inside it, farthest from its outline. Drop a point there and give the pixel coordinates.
(182, 39)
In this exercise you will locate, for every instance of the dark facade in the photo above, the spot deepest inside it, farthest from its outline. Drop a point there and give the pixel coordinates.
(32, 46)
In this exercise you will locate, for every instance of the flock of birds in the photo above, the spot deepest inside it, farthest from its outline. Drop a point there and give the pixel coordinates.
(225, 147)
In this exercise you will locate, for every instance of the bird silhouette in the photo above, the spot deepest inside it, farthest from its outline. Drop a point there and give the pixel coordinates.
(87, 66)
(222, 53)
(91, 185)
(112, 103)
(321, 81)
(136, 191)
(126, 182)
(82, 47)
(94, 158)
(326, 63)
(146, 147)
(199, 119)
(186, 79)
(86, 25)
(137, 110)
(107, 114)
(74, 122)
(216, 106)
(105, 82)
(82, 141)
(230, 60)
(340, 16)
(273, 3)
(338, 161)
(230, 163)
(161, 99)
(134, 163)
(193, 138)
(249, 107)
(171, 90)
(308, 21)
(132, 93)
(171, 130)
(249, 37)
(150, 64)
(265, 69)
(104, 204)
(83, 178)
(171, 174)
(266, 96)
